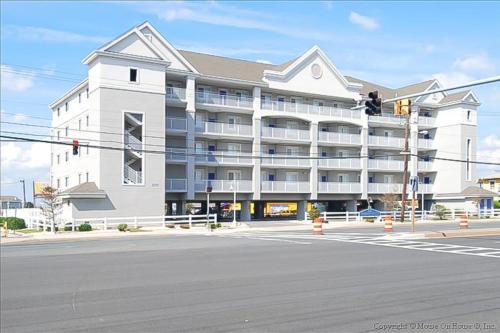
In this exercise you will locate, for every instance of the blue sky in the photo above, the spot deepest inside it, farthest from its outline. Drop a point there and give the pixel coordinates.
(391, 43)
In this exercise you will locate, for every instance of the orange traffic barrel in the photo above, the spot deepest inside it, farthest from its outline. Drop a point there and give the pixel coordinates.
(388, 223)
(318, 227)
(463, 222)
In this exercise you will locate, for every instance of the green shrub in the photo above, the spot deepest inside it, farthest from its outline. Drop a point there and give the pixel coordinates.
(122, 227)
(13, 223)
(184, 226)
(440, 211)
(68, 228)
(85, 227)
(314, 213)
(496, 204)
(49, 228)
(219, 225)
(171, 226)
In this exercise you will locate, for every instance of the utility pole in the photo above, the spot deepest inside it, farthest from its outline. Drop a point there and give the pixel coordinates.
(24, 192)
(405, 170)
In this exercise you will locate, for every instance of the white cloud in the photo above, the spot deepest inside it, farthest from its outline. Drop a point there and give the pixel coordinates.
(492, 141)
(16, 80)
(262, 61)
(50, 35)
(478, 63)
(452, 78)
(24, 156)
(365, 22)
(489, 151)
(328, 4)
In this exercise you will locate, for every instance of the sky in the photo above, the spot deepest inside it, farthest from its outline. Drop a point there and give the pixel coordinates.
(390, 43)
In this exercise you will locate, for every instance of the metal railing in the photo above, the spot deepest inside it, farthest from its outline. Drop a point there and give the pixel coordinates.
(132, 142)
(387, 119)
(223, 185)
(426, 121)
(239, 101)
(311, 109)
(176, 124)
(223, 157)
(385, 164)
(425, 165)
(131, 175)
(425, 143)
(285, 160)
(339, 163)
(176, 94)
(175, 185)
(207, 127)
(285, 133)
(386, 141)
(336, 187)
(176, 154)
(285, 187)
(342, 138)
(384, 188)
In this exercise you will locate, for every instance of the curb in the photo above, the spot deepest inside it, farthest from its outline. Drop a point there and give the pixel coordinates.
(463, 233)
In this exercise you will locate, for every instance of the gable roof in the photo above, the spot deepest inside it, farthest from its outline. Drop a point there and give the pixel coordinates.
(9, 198)
(493, 176)
(84, 190)
(469, 192)
(414, 88)
(370, 86)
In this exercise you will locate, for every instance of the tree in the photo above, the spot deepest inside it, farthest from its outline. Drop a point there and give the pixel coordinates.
(189, 208)
(440, 211)
(28, 204)
(51, 205)
(390, 201)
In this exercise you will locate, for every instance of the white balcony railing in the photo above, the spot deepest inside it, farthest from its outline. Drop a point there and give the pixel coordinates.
(425, 165)
(238, 101)
(224, 129)
(223, 185)
(132, 142)
(175, 154)
(339, 163)
(341, 138)
(386, 141)
(175, 94)
(333, 187)
(286, 133)
(224, 157)
(176, 124)
(384, 188)
(285, 160)
(426, 121)
(131, 175)
(427, 188)
(385, 165)
(304, 108)
(285, 187)
(175, 185)
(387, 119)
(425, 143)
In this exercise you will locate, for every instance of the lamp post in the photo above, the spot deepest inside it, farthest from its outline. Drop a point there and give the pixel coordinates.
(233, 188)
(24, 192)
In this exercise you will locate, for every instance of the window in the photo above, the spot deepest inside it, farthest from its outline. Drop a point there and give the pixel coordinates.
(222, 97)
(79, 97)
(87, 150)
(427, 180)
(281, 103)
(66, 106)
(292, 177)
(198, 174)
(133, 75)
(58, 112)
(58, 135)
(343, 178)
(233, 175)
(79, 178)
(468, 114)
(492, 185)
(87, 177)
(324, 179)
(66, 156)
(79, 124)
(87, 92)
(66, 181)
(469, 154)
(58, 159)
(343, 129)
(87, 121)
(58, 183)
(66, 131)
(388, 179)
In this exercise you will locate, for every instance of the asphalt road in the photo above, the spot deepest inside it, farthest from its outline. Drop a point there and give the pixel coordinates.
(288, 283)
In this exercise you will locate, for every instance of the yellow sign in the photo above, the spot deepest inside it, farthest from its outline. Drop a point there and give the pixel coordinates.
(38, 188)
(402, 107)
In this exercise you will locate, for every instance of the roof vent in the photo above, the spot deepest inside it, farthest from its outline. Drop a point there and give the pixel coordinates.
(316, 71)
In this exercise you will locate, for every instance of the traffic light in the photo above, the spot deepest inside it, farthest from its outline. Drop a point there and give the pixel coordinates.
(374, 106)
(402, 107)
(75, 147)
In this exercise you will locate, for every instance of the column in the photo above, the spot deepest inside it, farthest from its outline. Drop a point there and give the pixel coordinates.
(301, 210)
(245, 211)
(256, 146)
(313, 176)
(190, 137)
(364, 154)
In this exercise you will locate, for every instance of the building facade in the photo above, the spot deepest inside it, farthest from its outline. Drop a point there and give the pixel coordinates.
(491, 183)
(156, 126)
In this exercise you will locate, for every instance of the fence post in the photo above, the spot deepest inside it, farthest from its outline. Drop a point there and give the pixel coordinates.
(135, 222)
(105, 223)
(215, 218)
(394, 215)
(164, 221)
(453, 214)
(347, 216)
(190, 221)
(324, 217)
(73, 225)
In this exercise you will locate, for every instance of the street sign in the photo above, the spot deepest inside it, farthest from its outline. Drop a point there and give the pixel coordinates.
(414, 183)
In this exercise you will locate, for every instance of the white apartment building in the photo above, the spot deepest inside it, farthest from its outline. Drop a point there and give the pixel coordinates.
(172, 122)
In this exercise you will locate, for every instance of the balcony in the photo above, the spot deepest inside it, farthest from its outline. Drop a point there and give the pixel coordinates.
(425, 166)
(223, 158)
(426, 121)
(224, 129)
(176, 124)
(386, 141)
(223, 185)
(175, 95)
(339, 138)
(175, 185)
(293, 161)
(303, 108)
(385, 188)
(225, 101)
(285, 187)
(290, 134)
(426, 188)
(425, 143)
(385, 165)
(175, 155)
(339, 163)
(333, 188)
(387, 120)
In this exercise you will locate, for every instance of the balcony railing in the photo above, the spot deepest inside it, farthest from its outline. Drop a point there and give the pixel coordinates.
(131, 175)
(175, 185)
(386, 141)
(285, 187)
(224, 129)
(425, 143)
(176, 124)
(286, 133)
(426, 121)
(310, 109)
(132, 142)
(384, 188)
(333, 187)
(387, 119)
(175, 154)
(385, 165)
(426, 188)
(223, 185)
(224, 157)
(225, 100)
(340, 138)
(175, 94)
(339, 163)
(285, 160)
(425, 165)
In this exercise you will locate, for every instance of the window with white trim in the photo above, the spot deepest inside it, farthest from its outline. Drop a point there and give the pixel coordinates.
(66, 181)
(468, 168)
(66, 106)
(133, 75)
(87, 177)
(66, 156)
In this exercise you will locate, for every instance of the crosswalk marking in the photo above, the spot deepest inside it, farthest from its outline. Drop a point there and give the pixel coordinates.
(393, 240)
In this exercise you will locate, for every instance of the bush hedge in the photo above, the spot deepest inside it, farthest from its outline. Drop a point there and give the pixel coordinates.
(85, 227)
(122, 227)
(13, 223)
